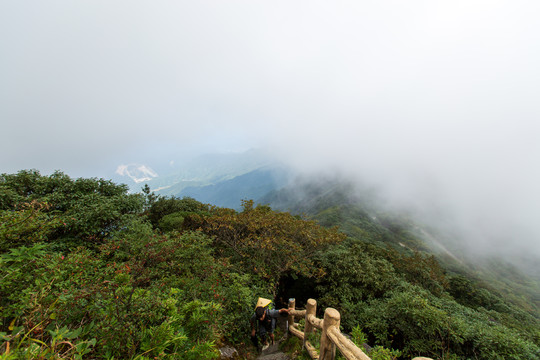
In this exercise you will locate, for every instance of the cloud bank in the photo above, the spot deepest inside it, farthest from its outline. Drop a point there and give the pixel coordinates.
(436, 102)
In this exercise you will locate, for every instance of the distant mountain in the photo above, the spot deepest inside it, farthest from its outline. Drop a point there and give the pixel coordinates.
(202, 170)
(229, 193)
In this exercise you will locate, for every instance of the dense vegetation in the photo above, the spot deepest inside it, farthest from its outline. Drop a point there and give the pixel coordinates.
(88, 270)
(383, 279)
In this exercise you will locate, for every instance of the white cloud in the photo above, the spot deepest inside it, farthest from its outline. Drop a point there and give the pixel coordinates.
(427, 99)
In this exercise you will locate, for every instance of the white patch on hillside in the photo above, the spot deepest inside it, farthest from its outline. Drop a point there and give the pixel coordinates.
(437, 245)
(136, 172)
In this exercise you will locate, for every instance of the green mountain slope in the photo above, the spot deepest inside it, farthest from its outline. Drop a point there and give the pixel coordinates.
(229, 193)
(335, 203)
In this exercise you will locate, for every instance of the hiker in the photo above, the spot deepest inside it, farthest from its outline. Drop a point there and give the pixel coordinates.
(266, 319)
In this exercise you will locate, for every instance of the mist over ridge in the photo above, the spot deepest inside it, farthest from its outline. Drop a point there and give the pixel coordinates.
(449, 222)
(435, 104)
(480, 213)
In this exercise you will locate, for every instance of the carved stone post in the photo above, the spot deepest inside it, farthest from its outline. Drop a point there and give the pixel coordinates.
(311, 309)
(290, 318)
(328, 349)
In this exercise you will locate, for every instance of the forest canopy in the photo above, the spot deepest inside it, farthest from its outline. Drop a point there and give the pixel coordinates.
(88, 270)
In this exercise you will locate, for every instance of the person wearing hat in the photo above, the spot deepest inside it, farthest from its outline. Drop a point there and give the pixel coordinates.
(266, 320)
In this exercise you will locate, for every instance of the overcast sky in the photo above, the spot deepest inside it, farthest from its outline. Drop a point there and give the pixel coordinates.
(433, 100)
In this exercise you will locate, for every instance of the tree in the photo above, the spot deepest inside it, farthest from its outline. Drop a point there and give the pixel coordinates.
(268, 242)
(90, 209)
(166, 206)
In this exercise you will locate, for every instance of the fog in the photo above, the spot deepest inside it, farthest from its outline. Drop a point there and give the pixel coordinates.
(436, 103)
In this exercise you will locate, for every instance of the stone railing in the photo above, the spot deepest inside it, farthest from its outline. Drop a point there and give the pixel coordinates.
(331, 336)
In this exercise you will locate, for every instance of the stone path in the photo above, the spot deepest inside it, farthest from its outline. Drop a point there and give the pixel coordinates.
(273, 352)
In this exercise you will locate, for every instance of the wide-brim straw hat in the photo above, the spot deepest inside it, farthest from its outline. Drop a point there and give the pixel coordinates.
(262, 302)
